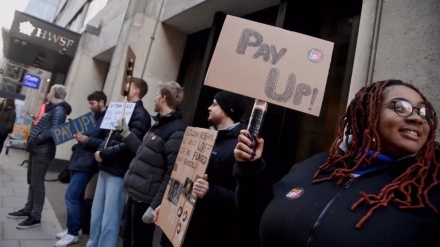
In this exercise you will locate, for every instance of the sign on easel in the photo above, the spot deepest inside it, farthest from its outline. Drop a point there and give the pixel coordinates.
(178, 203)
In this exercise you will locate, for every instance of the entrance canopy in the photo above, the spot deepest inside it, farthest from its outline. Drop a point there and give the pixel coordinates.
(39, 43)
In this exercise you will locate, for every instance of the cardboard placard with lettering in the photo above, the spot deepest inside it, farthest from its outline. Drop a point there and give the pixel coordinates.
(271, 64)
(65, 132)
(114, 112)
(179, 201)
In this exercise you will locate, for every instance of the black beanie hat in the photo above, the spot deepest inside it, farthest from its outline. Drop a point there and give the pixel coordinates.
(232, 104)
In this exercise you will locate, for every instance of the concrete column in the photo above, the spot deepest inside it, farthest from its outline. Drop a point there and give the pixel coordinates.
(409, 45)
(366, 46)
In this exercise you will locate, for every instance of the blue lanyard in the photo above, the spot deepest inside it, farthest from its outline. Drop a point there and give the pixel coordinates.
(364, 170)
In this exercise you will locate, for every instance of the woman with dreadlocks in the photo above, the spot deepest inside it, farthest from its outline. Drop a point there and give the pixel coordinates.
(376, 186)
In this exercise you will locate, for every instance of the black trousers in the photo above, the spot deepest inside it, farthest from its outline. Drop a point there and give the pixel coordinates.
(3, 138)
(135, 232)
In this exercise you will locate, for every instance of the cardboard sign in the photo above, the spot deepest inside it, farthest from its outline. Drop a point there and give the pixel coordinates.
(65, 132)
(178, 203)
(114, 112)
(271, 64)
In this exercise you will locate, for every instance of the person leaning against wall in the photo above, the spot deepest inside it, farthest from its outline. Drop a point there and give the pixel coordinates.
(378, 185)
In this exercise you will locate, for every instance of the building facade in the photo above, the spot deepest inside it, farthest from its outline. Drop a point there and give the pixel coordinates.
(174, 40)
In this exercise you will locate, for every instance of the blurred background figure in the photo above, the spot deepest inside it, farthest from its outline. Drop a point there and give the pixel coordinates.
(7, 119)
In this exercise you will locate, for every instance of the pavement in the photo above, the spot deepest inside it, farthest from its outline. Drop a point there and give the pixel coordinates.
(13, 196)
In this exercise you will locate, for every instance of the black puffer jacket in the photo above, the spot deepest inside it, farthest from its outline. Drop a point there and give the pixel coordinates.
(150, 170)
(83, 158)
(40, 141)
(117, 156)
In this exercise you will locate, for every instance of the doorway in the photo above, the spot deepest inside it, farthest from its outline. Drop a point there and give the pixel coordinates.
(290, 136)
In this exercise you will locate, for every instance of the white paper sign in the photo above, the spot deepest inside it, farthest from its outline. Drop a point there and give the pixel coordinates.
(114, 112)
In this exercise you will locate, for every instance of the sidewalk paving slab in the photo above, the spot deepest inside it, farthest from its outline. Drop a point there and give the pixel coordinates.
(13, 196)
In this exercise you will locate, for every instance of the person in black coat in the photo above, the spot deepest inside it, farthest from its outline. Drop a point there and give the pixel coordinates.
(7, 120)
(214, 219)
(41, 148)
(149, 172)
(109, 199)
(82, 167)
(377, 185)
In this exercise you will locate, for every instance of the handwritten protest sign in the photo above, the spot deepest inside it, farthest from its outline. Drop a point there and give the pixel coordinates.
(65, 132)
(178, 203)
(114, 112)
(271, 64)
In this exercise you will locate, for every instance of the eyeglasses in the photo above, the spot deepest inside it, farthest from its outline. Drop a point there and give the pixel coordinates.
(404, 109)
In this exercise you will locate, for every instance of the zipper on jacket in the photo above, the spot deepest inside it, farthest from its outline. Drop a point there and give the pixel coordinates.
(318, 221)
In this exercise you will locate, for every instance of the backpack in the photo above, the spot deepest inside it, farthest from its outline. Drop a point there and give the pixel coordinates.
(64, 176)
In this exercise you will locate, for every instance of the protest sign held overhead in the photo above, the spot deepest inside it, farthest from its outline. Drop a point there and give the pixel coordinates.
(114, 112)
(179, 201)
(66, 132)
(271, 64)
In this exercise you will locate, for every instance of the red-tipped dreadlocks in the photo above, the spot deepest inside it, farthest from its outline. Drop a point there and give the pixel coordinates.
(361, 121)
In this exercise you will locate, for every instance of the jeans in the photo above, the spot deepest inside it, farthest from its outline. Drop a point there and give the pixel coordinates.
(36, 172)
(107, 210)
(136, 232)
(75, 200)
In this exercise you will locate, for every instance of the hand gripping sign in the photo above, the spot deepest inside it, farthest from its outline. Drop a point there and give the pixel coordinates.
(179, 201)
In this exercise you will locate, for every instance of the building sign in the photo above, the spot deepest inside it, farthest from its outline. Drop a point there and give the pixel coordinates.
(31, 81)
(31, 29)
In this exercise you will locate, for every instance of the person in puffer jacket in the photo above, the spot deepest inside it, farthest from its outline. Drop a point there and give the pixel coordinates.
(149, 172)
(42, 148)
(109, 199)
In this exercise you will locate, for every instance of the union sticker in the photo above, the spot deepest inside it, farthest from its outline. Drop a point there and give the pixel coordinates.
(294, 193)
